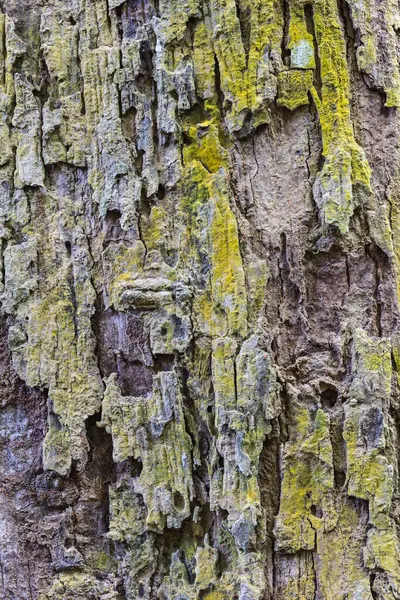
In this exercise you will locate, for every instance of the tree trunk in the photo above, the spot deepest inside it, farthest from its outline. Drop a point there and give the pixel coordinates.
(200, 343)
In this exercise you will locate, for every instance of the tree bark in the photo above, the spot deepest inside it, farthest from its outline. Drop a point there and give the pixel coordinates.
(200, 344)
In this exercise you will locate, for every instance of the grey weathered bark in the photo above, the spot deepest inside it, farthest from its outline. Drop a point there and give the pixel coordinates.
(200, 241)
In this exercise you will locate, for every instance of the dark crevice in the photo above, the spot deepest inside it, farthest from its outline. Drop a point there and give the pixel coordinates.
(269, 480)
(374, 594)
(161, 192)
(329, 398)
(309, 16)
(316, 511)
(164, 362)
(285, 52)
(79, 70)
(130, 468)
(218, 89)
(380, 262)
(244, 18)
(336, 425)
(93, 515)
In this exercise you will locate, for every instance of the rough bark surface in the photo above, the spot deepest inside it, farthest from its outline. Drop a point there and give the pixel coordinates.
(199, 333)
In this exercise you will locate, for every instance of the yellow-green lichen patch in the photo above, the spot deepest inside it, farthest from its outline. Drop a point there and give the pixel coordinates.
(383, 552)
(204, 60)
(215, 595)
(369, 474)
(206, 147)
(227, 279)
(307, 481)
(57, 356)
(293, 88)
(370, 461)
(154, 228)
(376, 27)
(206, 567)
(64, 132)
(340, 569)
(174, 16)
(212, 224)
(223, 370)
(54, 344)
(79, 586)
(56, 448)
(345, 162)
(122, 266)
(373, 367)
(247, 67)
(152, 429)
(300, 43)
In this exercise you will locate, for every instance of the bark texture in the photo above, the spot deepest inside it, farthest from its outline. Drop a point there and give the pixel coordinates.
(200, 343)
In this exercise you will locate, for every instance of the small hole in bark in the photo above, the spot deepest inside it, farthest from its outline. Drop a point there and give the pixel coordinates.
(186, 139)
(161, 192)
(316, 512)
(164, 330)
(329, 398)
(68, 248)
(130, 467)
(179, 501)
(340, 479)
(113, 216)
(275, 347)
(164, 362)
(209, 409)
